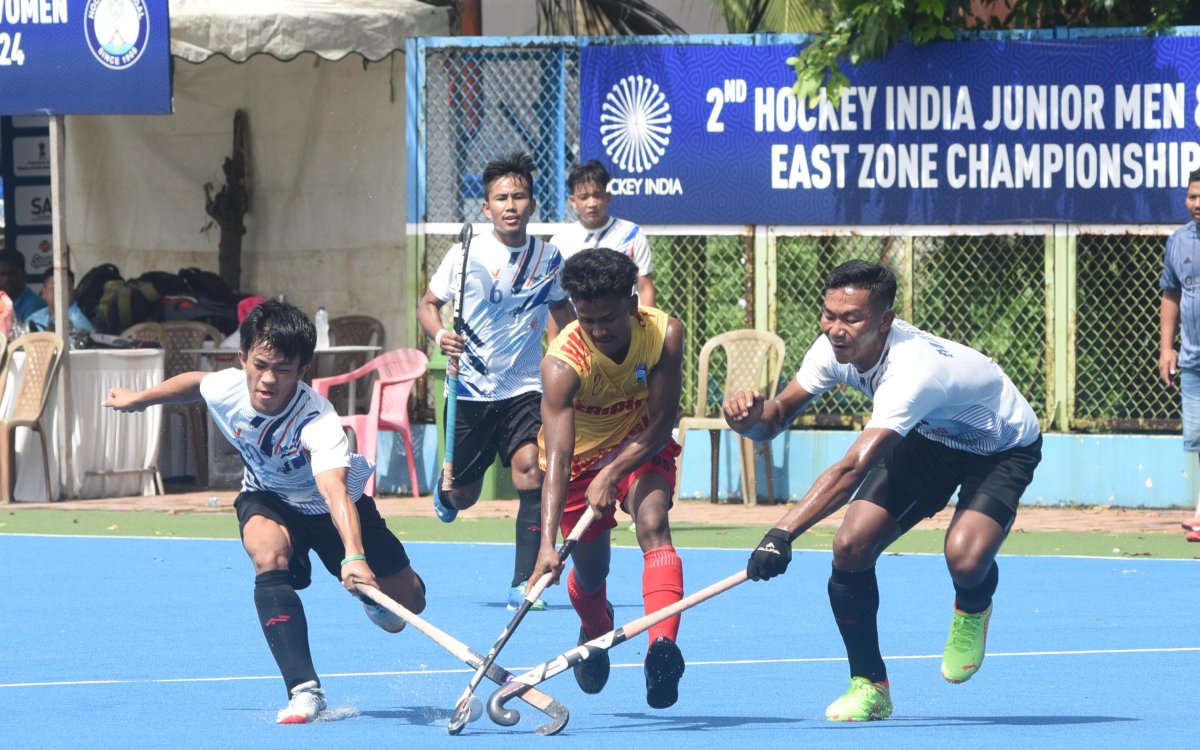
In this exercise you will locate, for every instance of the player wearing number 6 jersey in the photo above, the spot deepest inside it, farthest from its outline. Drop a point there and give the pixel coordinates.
(611, 388)
(512, 297)
(943, 417)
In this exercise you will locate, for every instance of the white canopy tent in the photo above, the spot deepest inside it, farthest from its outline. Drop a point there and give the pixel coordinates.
(323, 89)
(324, 95)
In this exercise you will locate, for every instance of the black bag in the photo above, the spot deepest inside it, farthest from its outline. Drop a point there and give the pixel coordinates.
(91, 287)
(203, 283)
(165, 283)
(202, 308)
(125, 303)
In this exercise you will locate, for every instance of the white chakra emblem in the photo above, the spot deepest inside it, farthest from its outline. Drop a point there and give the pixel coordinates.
(635, 123)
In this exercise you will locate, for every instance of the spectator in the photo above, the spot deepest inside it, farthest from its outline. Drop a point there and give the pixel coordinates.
(43, 318)
(1178, 313)
(588, 183)
(12, 281)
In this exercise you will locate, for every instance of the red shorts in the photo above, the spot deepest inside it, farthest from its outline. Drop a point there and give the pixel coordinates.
(661, 463)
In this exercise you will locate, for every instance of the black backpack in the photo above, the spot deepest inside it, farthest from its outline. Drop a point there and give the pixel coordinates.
(203, 283)
(166, 284)
(91, 287)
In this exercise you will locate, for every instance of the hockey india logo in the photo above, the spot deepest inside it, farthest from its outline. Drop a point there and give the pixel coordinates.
(116, 31)
(635, 123)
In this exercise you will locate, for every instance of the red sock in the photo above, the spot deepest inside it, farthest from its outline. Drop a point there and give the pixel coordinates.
(591, 607)
(662, 585)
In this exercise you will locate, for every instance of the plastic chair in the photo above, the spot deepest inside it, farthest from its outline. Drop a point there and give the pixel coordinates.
(42, 356)
(753, 360)
(148, 331)
(395, 372)
(178, 336)
(351, 330)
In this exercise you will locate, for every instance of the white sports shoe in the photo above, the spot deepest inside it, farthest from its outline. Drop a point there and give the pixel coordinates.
(308, 700)
(385, 619)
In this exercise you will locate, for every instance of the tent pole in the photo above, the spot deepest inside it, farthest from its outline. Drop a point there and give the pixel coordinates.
(58, 137)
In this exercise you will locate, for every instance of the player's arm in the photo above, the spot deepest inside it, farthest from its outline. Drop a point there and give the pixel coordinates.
(1168, 326)
(560, 384)
(562, 312)
(750, 415)
(429, 315)
(331, 483)
(665, 386)
(181, 389)
(831, 490)
(645, 288)
(640, 254)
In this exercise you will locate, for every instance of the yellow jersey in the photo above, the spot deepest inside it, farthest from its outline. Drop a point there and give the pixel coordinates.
(611, 406)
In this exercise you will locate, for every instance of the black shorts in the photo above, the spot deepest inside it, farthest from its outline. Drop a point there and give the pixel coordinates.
(917, 478)
(385, 554)
(484, 429)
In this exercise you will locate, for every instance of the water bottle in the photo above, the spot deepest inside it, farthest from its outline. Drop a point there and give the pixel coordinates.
(322, 321)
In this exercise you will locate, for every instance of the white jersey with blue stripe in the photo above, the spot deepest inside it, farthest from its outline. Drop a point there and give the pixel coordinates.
(946, 391)
(616, 234)
(283, 453)
(508, 296)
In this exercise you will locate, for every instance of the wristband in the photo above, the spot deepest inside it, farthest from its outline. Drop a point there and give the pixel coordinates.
(353, 558)
(437, 337)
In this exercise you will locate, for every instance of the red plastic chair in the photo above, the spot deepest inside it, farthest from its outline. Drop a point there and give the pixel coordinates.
(396, 371)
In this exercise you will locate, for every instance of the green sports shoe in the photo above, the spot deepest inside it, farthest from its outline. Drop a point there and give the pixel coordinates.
(864, 701)
(966, 644)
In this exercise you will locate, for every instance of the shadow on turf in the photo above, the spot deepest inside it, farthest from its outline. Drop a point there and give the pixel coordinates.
(637, 722)
(415, 715)
(1003, 721)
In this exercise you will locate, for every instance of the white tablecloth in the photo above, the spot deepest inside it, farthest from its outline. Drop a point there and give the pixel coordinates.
(102, 440)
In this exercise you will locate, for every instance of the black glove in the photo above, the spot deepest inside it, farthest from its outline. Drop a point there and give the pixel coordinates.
(771, 557)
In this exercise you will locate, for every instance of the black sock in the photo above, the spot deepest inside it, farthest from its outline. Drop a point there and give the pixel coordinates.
(282, 618)
(855, 601)
(979, 598)
(529, 534)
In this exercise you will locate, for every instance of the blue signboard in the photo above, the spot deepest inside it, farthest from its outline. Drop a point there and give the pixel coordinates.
(966, 132)
(60, 57)
(25, 177)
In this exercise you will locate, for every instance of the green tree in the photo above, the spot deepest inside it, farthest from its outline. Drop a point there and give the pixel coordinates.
(854, 31)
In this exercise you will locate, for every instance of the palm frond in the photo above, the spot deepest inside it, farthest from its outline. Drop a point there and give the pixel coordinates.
(603, 17)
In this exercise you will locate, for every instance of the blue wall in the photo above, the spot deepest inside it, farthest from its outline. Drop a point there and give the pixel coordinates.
(1119, 470)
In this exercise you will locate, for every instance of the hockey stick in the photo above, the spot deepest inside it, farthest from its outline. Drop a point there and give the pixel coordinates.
(500, 714)
(462, 711)
(556, 711)
(464, 238)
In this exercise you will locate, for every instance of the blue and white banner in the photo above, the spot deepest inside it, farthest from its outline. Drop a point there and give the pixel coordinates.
(966, 132)
(25, 178)
(75, 57)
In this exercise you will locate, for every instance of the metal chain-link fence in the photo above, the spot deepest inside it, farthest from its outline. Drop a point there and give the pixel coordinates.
(1070, 313)
(1116, 379)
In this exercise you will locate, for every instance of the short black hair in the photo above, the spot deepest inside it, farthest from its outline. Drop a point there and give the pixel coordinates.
(281, 327)
(1194, 176)
(876, 278)
(13, 257)
(517, 164)
(599, 273)
(588, 172)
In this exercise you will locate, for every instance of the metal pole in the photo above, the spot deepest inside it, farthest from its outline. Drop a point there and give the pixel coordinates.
(58, 139)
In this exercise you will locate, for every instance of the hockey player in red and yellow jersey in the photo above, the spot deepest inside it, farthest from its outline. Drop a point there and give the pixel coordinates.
(611, 383)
